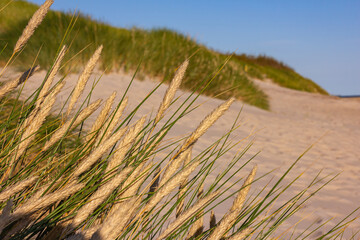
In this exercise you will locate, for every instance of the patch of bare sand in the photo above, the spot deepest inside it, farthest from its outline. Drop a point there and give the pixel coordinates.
(296, 121)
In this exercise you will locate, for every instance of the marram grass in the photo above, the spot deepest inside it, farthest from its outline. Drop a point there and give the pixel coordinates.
(162, 51)
(115, 185)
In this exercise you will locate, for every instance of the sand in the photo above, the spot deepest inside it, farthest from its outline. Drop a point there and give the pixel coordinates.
(296, 121)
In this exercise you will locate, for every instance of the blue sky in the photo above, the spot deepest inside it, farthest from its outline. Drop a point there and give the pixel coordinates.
(318, 38)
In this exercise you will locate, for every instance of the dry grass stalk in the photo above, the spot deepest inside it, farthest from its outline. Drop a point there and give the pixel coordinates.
(133, 182)
(169, 186)
(12, 84)
(230, 217)
(170, 92)
(100, 195)
(115, 223)
(70, 124)
(45, 89)
(88, 233)
(51, 76)
(98, 152)
(152, 147)
(208, 121)
(131, 186)
(34, 205)
(241, 197)
(33, 23)
(198, 226)
(183, 188)
(188, 214)
(111, 122)
(36, 121)
(47, 200)
(125, 144)
(136, 145)
(212, 220)
(201, 129)
(121, 213)
(11, 190)
(40, 192)
(174, 165)
(241, 234)
(101, 117)
(84, 77)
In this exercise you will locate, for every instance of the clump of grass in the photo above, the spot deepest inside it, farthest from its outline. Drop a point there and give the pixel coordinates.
(161, 50)
(262, 67)
(115, 185)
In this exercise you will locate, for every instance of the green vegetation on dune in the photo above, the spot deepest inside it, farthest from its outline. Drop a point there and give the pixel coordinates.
(160, 51)
(262, 67)
(123, 177)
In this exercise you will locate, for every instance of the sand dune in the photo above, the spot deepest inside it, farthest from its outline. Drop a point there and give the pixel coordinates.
(296, 121)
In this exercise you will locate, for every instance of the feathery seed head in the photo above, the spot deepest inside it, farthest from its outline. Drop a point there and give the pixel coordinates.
(11, 190)
(182, 188)
(33, 123)
(47, 200)
(198, 226)
(134, 181)
(124, 211)
(102, 116)
(98, 152)
(188, 213)
(208, 121)
(52, 75)
(35, 204)
(170, 92)
(125, 144)
(230, 217)
(116, 222)
(84, 77)
(241, 234)
(71, 123)
(169, 186)
(33, 23)
(174, 166)
(240, 199)
(111, 122)
(100, 195)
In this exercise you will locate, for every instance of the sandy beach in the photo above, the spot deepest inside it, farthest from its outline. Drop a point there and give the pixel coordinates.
(296, 121)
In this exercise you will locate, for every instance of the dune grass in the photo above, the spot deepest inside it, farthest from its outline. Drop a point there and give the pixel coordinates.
(117, 185)
(160, 50)
(264, 67)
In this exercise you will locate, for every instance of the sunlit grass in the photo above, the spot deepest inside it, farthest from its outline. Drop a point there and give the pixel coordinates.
(160, 50)
(124, 181)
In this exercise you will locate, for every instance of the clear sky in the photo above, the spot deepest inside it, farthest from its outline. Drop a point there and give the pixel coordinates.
(318, 38)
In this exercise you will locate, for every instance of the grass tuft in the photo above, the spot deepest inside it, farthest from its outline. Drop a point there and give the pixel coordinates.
(123, 181)
(161, 51)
